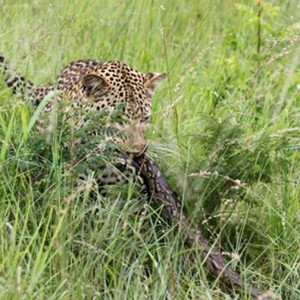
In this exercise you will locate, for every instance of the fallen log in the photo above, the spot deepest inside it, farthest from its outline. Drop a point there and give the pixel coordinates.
(217, 265)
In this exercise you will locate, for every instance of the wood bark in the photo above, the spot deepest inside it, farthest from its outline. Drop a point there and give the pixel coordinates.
(217, 265)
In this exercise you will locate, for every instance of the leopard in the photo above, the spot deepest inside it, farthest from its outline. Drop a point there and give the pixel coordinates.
(96, 85)
(91, 85)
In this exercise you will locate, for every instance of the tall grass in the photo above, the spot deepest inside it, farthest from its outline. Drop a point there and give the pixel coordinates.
(225, 130)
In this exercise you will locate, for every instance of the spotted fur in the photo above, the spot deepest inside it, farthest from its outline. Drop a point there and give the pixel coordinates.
(92, 85)
(97, 86)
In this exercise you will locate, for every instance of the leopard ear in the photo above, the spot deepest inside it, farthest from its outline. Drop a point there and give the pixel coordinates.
(94, 85)
(152, 80)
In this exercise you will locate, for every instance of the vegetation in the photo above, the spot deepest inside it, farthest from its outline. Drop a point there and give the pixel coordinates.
(225, 131)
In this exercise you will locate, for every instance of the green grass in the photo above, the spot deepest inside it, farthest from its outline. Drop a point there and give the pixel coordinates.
(225, 131)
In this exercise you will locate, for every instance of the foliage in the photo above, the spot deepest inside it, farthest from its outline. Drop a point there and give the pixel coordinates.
(225, 131)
